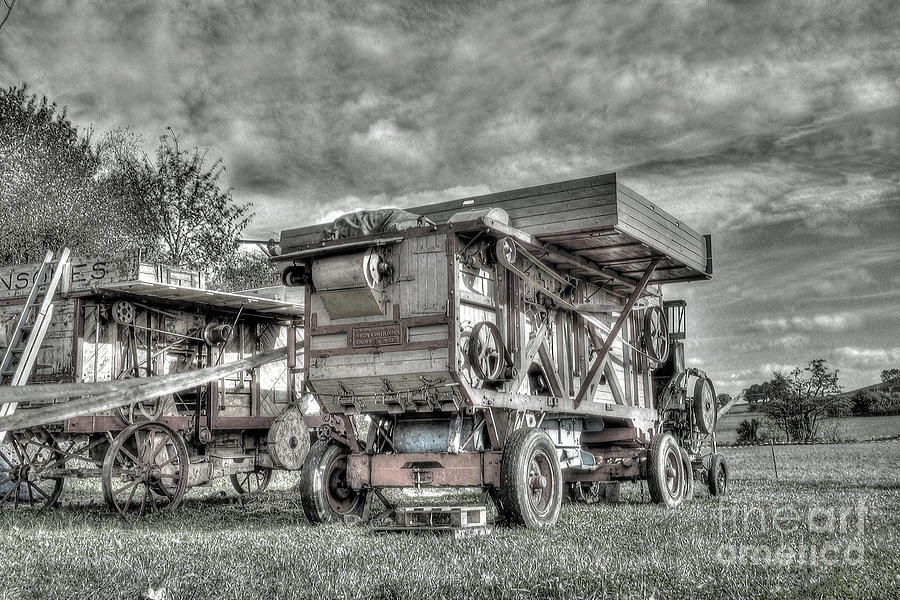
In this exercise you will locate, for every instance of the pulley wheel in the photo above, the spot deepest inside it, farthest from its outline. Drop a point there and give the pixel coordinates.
(506, 250)
(656, 334)
(485, 351)
(705, 408)
(123, 312)
(288, 439)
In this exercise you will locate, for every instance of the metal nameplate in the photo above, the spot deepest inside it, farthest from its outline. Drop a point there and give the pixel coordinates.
(376, 335)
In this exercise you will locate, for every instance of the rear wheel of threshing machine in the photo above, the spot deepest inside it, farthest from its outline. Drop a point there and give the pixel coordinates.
(717, 475)
(27, 464)
(254, 482)
(325, 492)
(145, 469)
(665, 471)
(530, 479)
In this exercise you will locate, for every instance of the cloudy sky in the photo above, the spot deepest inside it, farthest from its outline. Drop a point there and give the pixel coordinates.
(774, 127)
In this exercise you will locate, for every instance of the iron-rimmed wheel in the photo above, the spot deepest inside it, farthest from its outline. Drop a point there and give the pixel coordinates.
(27, 465)
(688, 486)
(531, 484)
(705, 405)
(145, 469)
(252, 482)
(656, 334)
(665, 471)
(325, 492)
(717, 475)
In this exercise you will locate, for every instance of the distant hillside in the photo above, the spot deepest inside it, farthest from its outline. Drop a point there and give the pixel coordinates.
(883, 386)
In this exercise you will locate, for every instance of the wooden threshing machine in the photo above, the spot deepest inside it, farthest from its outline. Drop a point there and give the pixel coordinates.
(517, 342)
(139, 376)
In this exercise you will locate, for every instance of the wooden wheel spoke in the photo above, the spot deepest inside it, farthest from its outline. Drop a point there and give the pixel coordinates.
(171, 460)
(130, 485)
(144, 500)
(10, 491)
(156, 452)
(41, 490)
(128, 453)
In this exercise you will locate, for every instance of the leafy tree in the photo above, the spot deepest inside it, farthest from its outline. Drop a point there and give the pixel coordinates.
(50, 192)
(863, 401)
(890, 375)
(759, 393)
(802, 399)
(750, 431)
(192, 221)
(244, 271)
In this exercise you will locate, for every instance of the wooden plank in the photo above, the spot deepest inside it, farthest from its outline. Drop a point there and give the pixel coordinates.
(153, 387)
(661, 236)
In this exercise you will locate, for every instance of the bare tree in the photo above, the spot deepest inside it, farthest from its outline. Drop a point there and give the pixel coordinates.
(9, 6)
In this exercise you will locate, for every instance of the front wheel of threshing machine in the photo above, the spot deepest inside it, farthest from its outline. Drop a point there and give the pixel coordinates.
(665, 471)
(530, 479)
(325, 492)
(145, 469)
(27, 465)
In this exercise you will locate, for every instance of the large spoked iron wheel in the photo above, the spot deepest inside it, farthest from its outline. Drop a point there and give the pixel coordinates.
(253, 482)
(665, 471)
(325, 492)
(530, 479)
(145, 469)
(29, 467)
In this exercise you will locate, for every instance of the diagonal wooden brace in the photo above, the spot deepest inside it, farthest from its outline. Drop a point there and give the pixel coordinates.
(596, 371)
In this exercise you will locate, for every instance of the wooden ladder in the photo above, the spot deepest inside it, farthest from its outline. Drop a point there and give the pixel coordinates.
(28, 335)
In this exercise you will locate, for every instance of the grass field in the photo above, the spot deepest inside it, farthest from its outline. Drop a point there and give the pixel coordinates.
(214, 547)
(851, 428)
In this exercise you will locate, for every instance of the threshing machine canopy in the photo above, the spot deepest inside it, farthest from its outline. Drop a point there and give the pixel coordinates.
(595, 219)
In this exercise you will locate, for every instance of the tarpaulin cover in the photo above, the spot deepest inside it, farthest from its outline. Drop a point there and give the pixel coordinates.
(370, 222)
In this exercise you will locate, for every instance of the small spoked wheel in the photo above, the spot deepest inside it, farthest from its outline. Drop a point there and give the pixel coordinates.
(717, 476)
(325, 491)
(656, 334)
(145, 469)
(30, 466)
(252, 482)
(530, 479)
(665, 471)
(485, 351)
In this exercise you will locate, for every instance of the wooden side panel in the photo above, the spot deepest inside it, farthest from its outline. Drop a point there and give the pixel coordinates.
(55, 361)
(421, 287)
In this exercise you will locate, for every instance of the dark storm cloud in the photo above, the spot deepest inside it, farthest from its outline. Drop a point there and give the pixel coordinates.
(775, 126)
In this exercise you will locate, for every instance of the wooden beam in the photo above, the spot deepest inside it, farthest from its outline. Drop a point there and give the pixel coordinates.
(556, 384)
(153, 388)
(531, 351)
(593, 376)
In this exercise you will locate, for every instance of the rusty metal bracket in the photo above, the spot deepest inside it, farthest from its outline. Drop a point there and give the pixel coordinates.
(593, 375)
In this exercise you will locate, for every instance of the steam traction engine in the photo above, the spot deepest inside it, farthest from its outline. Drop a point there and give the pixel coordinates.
(516, 342)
